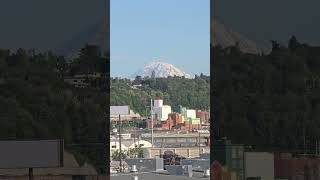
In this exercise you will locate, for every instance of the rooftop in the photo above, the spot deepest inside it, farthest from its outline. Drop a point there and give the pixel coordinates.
(156, 176)
(175, 134)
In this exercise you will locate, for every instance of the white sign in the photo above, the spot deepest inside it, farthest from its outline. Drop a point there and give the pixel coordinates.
(119, 110)
(31, 154)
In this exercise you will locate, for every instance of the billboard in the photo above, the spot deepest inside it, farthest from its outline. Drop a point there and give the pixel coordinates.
(119, 110)
(31, 154)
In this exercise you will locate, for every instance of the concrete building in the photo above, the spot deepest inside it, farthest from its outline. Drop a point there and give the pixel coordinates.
(203, 115)
(173, 121)
(156, 176)
(175, 117)
(191, 113)
(187, 152)
(183, 112)
(259, 165)
(187, 125)
(132, 116)
(141, 143)
(158, 103)
(162, 112)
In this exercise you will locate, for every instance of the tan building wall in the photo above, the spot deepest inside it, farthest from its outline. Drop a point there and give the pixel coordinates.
(259, 164)
(191, 152)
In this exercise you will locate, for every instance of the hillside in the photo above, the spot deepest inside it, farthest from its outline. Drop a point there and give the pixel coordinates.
(225, 36)
(268, 101)
(35, 103)
(192, 93)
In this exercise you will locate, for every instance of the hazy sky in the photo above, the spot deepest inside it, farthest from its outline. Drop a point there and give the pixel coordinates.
(264, 20)
(175, 31)
(146, 30)
(46, 23)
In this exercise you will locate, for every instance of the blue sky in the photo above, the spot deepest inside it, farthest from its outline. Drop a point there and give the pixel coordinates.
(174, 31)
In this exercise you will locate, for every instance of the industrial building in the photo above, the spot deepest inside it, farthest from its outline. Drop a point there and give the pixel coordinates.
(161, 111)
(259, 165)
(155, 176)
(154, 168)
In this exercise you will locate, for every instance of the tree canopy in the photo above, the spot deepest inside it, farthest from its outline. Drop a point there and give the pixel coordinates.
(36, 103)
(272, 100)
(175, 91)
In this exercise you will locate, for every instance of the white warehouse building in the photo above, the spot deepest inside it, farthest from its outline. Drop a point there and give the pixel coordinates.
(158, 103)
(161, 111)
(191, 113)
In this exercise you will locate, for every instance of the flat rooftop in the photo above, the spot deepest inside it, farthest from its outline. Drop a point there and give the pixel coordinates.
(181, 134)
(156, 176)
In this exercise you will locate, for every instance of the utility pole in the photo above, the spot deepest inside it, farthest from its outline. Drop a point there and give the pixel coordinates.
(199, 143)
(316, 148)
(134, 138)
(31, 174)
(151, 122)
(120, 154)
(304, 142)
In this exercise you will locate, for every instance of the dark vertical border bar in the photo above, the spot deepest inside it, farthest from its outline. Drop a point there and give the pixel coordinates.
(107, 122)
(107, 141)
(106, 55)
(213, 123)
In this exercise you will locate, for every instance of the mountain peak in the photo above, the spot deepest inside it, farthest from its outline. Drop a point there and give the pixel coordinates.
(225, 36)
(160, 69)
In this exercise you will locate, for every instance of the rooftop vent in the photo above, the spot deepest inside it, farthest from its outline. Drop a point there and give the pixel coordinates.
(134, 168)
(206, 173)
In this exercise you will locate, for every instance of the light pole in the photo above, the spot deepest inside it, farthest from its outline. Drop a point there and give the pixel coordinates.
(120, 154)
(151, 122)
(199, 143)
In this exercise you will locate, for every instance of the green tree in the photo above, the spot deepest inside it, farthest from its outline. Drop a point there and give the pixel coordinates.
(116, 155)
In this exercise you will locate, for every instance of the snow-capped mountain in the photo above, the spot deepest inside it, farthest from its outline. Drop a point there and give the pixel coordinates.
(225, 36)
(160, 69)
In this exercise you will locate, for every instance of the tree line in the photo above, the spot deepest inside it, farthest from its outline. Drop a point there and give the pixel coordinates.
(36, 103)
(268, 100)
(175, 91)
